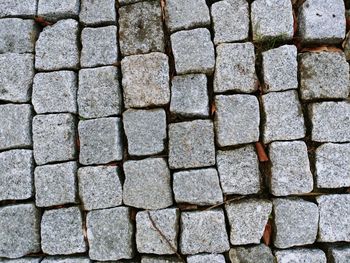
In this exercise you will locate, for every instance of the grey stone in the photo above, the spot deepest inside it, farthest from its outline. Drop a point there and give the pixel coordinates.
(339, 254)
(346, 46)
(141, 28)
(272, 19)
(128, 2)
(55, 184)
(330, 121)
(22, 8)
(334, 223)
(54, 138)
(110, 234)
(62, 231)
(97, 12)
(230, 20)
(247, 220)
(183, 14)
(200, 187)
(62, 259)
(99, 93)
(280, 68)
(100, 141)
(145, 131)
(147, 184)
(16, 126)
(284, 118)
(239, 170)
(201, 59)
(199, 229)
(145, 80)
(152, 259)
(301, 255)
(191, 144)
(295, 222)
(19, 233)
(189, 96)
(16, 177)
(53, 10)
(237, 119)
(100, 187)
(57, 46)
(290, 168)
(55, 92)
(148, 239)
(324, 75)
(22, 260)
(251, 254)
(322, 21)
(16, 76)
(212, 258)
(99, 46)
(235, 68)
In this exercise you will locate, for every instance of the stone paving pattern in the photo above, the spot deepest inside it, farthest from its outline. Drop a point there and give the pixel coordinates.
(131, 131)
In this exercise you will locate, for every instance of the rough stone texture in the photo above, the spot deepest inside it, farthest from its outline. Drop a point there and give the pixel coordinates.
(145, 80)
(19, 233)
(322, 21)
(301, 255)
(148, 239)
(99, 93)
(55, 92)
(272, 19)
(57, 46)
(53, 10)
(141, 28)
(22, 8)
(184, 14)
(147, 184)
(97, 12)
(324, 75)
(191, 144)
(200, 187)
(251, 254)
(61, 259)
(100, 187)
(334, 223)
(110, 233)
(330, 121)
(22, 260)
(145, 131)
(284, 118)
(200, 228)
(346, 44)
(237, 119)
(201, 59)
(100, 141)
(280, 68)
(55, 184)
(99, 46)
(212, 258)
(247, 220)
(290, 170)
(189, 96)
(295, 222)
(235, 68)
(54, 138)
(16, 126)
(339, 254)
(151, 259)
(16, 76)
(239, 170)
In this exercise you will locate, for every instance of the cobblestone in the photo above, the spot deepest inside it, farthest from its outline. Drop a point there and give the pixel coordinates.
(18, 8)
(53, 10)
(213, 258)
(251, 254)
(97, 12)
(301, 255)
(339, 254)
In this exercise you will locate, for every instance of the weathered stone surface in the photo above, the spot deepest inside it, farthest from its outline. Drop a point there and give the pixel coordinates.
(110, 233)
(100, 187)
(97, 12)
(200, 228)
(284, 118)
(62, 231)
(251, 254)
(100, 141)
(237, 119)
(290, 171)
(62, 259)
(165, 259)
(55, 184)
(295, 222)
(191, 144)
(55, 92)
(145, 131)
(147, 184)
(57, 46)
(128, 2)
(201, 59)
(330, 121)
(235, 68)
(20, 8)
(301, 255)
(19, 233)
(22, 260)
(54, 138)
(324, 75)
(334, 223)
(145, 80)
(53, 10)
(339, 254)
(346, 43)
(212, 258)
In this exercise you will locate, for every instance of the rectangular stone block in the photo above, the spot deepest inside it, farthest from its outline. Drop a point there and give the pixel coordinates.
(21, 8)
(251, 253)
(53, 10)
(66, 259)
(97, 12)
(213, 258)
(340, 254)
(300, 255)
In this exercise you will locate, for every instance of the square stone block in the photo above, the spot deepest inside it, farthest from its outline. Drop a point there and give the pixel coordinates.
(53, 10)
(251, 253)
(300, 255)
(339, 254)
(94, 12)
(19, 8)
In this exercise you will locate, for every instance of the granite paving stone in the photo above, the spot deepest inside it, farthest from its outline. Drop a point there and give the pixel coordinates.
(301, 255)
(213, 258)
(19, 8)
(346, 45)
(53, 10)
(161, 259)
(339, 254)
(239, 254)
(22, 260)
(97, 12)
(66, 259)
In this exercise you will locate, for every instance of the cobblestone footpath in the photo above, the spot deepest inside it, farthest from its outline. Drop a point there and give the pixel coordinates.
(174, 131)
